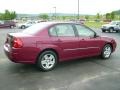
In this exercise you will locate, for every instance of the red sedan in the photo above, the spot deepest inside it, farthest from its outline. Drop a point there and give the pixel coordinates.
(45, 44)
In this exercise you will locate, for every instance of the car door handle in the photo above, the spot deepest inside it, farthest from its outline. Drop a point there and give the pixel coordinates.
(82, 39)
(57, 41)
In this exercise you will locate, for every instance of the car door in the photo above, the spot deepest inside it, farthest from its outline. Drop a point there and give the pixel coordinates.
(67, 41)
(29, 24)
(6, 23)
(88, 44)
(119, 25)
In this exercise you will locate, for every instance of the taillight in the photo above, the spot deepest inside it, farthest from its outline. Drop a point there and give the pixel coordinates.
(17, 43)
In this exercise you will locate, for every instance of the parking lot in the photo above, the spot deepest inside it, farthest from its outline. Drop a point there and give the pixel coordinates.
(82, 74)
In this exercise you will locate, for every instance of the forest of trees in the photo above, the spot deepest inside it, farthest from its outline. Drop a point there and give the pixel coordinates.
(8, 15)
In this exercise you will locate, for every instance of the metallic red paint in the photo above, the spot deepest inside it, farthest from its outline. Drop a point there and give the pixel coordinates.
(66, 47)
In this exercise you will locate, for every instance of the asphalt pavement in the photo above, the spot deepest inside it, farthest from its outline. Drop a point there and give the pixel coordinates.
(81, 74)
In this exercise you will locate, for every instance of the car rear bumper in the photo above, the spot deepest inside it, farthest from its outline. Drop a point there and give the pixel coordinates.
(16, 57)
(8, 53)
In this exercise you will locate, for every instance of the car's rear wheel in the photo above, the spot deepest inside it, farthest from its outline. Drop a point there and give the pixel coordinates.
(103, 30)
(47, 60)
(106, 52)
(23, 27)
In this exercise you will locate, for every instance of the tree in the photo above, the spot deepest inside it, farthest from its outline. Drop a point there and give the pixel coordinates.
(44, 16)
(86, 17)
(98, 16)
(112, 15)
(63, 17)
(1, 18)
(8, 15)
(108, 16)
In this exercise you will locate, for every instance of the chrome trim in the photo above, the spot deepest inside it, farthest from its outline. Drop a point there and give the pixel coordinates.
(80, 48)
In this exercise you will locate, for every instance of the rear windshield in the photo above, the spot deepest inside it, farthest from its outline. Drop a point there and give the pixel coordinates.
(35, 28)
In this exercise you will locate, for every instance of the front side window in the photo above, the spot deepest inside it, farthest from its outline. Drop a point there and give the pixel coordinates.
(118, 23)
(84, 32)
(113, 23)
(64, 30)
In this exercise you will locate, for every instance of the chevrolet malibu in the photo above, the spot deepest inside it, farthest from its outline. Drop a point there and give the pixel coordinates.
(45, 44)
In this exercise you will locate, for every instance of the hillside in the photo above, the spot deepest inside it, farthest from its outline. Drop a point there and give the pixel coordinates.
(49, 14)
(117, 12)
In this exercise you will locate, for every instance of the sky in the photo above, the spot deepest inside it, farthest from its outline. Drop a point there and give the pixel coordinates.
(62, 6)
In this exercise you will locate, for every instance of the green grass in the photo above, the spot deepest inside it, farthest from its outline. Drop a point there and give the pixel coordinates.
(94, 24)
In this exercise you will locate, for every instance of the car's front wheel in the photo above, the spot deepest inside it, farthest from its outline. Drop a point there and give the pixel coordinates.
(23, 27)
(11, 26)
(117, 31)
(111, 30)
(47, 60)
(106, 52)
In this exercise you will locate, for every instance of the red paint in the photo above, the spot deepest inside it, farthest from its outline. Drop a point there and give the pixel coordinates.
(25, 48)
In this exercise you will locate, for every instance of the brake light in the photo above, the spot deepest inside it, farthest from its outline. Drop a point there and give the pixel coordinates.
(17, 43)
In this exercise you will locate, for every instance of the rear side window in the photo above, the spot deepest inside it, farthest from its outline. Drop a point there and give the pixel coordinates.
(62, 30)
(65, 30)
(52, 31)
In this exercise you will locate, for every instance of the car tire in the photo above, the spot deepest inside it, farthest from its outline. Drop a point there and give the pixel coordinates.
(106, 51)
(11, 26)
(47, 60)
(23, 27)
(111, 30)
(103, 30)
(117, 31)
